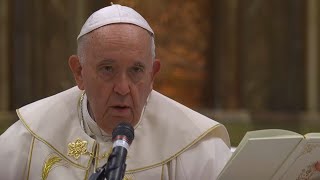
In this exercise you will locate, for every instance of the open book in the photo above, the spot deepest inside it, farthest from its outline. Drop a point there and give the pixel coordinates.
(274, 154)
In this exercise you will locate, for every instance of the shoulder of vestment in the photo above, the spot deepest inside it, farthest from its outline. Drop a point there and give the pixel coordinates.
(166, 130)
(55, 122)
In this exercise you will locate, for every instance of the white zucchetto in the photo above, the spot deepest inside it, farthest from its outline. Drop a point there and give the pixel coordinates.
(114, 14)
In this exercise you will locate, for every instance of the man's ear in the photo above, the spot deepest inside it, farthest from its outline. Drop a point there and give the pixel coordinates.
(76, 68)
(155, 68)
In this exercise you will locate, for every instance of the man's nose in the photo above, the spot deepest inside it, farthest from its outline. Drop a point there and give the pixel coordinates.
(121, 85)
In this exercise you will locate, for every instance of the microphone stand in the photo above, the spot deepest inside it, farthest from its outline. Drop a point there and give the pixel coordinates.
(104, 173)
(100, 174)
(115, 167)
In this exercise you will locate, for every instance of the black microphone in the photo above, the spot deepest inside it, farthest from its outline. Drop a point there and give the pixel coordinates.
(114, 169)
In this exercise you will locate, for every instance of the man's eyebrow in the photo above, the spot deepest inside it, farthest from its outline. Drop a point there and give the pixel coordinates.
(138, 63)
(108, 61)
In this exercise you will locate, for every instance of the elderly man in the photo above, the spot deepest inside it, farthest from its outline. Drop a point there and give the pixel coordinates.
(67, 136)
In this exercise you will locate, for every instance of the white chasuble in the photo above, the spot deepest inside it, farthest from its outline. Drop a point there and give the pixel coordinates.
(172, 142)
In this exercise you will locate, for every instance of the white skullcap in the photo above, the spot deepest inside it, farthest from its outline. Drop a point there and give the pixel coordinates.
(114, 14)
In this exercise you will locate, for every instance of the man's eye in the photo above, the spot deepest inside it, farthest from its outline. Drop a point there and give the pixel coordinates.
(107, 68)
(137, 69)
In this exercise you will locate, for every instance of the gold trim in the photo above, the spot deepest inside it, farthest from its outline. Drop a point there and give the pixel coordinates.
(162, 171)
(90, 161)
(175, 155)
(30, 156)
(96, 159)
(80, 109)
(128, 177)
(48, 144)
(48, 165)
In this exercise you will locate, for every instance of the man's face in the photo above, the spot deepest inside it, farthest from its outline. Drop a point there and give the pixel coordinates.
(117, 73)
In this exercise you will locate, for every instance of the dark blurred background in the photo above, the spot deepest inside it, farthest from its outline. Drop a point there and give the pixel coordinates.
(250, 64)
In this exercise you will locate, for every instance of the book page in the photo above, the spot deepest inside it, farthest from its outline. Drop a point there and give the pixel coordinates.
(312, 136)
(267, 133)
(300, 165)
(260, 154)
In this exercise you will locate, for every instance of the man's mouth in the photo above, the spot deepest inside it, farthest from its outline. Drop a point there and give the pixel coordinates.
(121, 110)
(121, 107)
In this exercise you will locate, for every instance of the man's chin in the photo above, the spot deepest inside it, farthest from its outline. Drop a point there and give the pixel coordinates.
(118, 120)
(126, 120)
(110, 123)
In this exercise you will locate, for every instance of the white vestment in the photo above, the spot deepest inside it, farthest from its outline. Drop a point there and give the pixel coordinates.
(171, 142)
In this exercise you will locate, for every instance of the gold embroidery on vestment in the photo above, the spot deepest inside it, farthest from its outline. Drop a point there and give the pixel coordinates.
(48, 166)
(48, 144)
(77, 148)
(128, 177)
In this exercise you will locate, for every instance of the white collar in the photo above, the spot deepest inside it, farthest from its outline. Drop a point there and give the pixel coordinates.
(90, 126)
